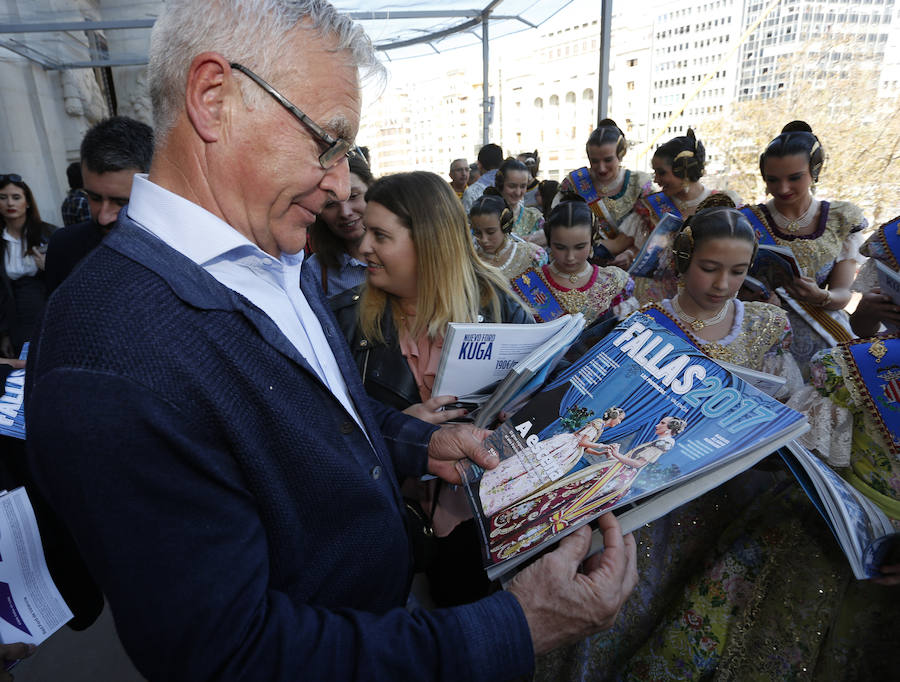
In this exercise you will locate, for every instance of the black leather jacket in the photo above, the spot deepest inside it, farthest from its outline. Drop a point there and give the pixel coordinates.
(385, 372)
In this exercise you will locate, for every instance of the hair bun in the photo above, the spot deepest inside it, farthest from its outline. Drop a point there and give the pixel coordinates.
(715, 200)
(491, 191)
(797, 127)
(692, 135)
(607, 123)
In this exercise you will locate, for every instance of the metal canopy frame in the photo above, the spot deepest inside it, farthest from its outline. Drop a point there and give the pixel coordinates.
(470, 20)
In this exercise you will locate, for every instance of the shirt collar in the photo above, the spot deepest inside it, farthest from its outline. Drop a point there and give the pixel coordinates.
(197, 233)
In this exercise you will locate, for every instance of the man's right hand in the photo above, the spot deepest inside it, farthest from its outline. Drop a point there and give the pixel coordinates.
(564, 601)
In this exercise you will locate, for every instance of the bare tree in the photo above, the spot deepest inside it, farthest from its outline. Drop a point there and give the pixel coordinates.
(833, 86)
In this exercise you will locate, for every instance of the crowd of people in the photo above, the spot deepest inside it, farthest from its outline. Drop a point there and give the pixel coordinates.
(233, 415)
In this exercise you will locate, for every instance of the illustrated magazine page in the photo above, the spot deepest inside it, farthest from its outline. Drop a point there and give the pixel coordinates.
(644, 411)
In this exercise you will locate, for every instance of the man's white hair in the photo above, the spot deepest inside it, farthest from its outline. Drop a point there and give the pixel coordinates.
(254, 33)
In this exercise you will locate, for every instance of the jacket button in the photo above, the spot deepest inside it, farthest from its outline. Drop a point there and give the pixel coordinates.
(356, 298)
(347, 427)
(363, 343)
(375, 473)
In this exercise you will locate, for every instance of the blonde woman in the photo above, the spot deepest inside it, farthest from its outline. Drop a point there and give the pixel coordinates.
(423, 273)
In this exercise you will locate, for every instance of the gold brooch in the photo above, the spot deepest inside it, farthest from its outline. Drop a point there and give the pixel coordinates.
(878, 350)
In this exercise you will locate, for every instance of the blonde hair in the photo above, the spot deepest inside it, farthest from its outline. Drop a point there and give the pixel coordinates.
(453, 283)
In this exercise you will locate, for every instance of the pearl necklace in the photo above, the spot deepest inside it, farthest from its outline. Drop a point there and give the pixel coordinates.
(797, 224)
(573, 277)
(696, 323)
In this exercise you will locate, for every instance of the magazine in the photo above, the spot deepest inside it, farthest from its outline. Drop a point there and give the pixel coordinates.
(658, 243)
(31, 608)
(769, 384)
(756, 288)
(12, 405)
(476, 357)
(644, 419)
(775, 266)
(864, 533)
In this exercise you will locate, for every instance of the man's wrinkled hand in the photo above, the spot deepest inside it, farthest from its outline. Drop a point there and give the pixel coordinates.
(453, 442)
(564, 603)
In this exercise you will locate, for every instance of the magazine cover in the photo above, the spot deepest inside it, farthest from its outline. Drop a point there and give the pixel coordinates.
(639, 413)
(12, 410)
(658, 243)
(774, 266)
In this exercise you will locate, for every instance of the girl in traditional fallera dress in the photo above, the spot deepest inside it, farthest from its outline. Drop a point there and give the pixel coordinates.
(824, 236)
(678, 166)
(511, 182)
(712, 255)
(492, 224)
(611, 190)
(579, 286)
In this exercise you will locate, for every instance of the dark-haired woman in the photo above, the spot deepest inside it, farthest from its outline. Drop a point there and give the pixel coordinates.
(824, 236)
(580, 286)
(610, 189)
(652, 638)
(678, 166)
(712, 255)
(492, 226)
(23, 246)
(337, 234)
(511, 182)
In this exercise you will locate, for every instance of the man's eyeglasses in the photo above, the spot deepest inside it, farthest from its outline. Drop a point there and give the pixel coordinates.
(338, 148)
(10, 177)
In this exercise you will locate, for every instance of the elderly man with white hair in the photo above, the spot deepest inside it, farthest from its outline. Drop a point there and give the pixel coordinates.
(195, 416)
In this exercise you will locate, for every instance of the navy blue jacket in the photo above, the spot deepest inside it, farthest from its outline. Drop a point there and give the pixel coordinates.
(238, 520)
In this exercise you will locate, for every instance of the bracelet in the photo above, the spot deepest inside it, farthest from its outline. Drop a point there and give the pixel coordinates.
(827, 299)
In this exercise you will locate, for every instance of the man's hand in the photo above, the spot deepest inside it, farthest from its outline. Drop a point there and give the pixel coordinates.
(453, 442)
(890, 575)
(563, 605)
(10, 653)
(432, 411)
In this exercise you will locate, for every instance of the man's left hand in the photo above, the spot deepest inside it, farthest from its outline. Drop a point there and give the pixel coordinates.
(453, 442)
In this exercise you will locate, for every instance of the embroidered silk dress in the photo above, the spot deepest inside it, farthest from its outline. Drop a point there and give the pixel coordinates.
(608, 288)
(760, 338)
(837, 238)
(619, 205)
(515, 256)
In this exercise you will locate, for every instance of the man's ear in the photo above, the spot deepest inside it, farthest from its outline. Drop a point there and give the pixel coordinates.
(210, 84)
